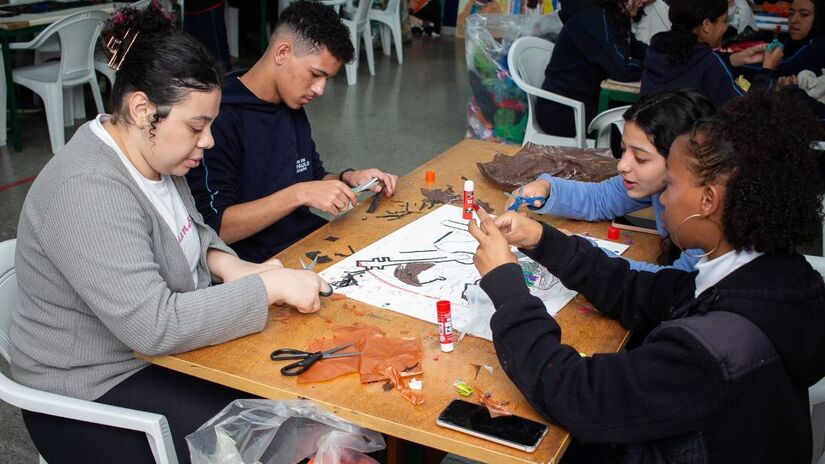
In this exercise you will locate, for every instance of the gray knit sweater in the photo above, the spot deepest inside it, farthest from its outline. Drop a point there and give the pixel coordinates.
(101, 275)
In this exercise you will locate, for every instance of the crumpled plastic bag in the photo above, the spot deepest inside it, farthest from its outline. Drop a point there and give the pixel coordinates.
(812, 84)
(280, 432)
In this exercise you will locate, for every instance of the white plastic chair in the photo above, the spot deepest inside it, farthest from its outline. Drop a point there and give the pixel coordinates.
(230, 14)
(359, 29)
(602, 123)
(153, 425)
(389, 21)
(527, 60)
(78, 34)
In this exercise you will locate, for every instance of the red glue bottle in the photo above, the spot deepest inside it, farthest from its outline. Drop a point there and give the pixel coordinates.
(445, 325)
(469, 200)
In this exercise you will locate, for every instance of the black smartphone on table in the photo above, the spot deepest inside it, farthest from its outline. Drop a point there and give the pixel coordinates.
(636, 223)
(474, 419)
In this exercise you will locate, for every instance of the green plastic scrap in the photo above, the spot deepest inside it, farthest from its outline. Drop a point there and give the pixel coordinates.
(463, 389)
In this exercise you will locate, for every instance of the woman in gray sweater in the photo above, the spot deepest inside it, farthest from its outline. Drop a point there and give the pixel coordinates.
(113, 257)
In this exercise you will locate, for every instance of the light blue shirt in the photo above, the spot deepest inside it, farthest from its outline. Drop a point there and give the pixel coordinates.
(602, 201)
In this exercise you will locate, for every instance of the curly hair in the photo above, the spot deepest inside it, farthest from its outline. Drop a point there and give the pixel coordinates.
(762, 145)
(161, 61)
(685, 16)
(314, 26)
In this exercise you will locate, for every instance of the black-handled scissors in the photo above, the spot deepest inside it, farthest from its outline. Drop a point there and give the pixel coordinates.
(307, 359)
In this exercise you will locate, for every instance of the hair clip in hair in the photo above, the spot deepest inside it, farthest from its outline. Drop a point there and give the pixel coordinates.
(114, 46)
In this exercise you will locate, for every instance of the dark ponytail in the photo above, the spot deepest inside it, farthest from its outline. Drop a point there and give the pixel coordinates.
(685, 16)
(617, 11)
(163, 62)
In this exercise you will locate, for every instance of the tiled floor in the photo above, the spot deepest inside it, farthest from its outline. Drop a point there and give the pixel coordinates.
(395, 120)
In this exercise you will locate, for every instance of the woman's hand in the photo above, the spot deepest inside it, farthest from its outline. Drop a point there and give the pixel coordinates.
(773, 58)
(519, 230)
(244, 268)
(787, 81)
(294, 287)
(750, 55)
(493, 249)
(225, 267)
(537, 188)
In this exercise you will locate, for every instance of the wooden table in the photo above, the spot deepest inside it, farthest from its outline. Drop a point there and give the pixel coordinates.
(23, 24)
(244, 363)
(626, 92)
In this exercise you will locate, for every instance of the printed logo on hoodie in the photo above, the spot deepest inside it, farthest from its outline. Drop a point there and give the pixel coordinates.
(301, 165)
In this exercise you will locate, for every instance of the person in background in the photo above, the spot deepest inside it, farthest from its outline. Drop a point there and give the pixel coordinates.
(684, 57)
(204, 20)
(429, 13)
(596, 43)
(805, 47)
(654, 19)
(113, 258)
(740, 16)
(732, 348)
(255, 186)
(651, 125)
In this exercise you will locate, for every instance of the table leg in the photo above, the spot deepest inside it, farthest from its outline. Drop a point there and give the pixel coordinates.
(604, 100)
(12, 99)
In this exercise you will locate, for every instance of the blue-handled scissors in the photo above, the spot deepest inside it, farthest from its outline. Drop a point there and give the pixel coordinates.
(307, 359)
(520, 199)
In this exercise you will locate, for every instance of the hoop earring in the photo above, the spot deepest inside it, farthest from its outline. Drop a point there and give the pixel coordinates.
(676, 237)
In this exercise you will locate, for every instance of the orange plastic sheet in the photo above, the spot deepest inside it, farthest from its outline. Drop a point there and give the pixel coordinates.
(377, 353)
(394, 376)
(496, 408)
(328, 369)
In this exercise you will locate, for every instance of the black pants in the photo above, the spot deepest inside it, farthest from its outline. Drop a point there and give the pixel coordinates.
(186, 401)
(431, 12)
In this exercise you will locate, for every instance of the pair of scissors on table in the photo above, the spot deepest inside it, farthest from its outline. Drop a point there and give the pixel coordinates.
(311, 267)
(307, 359)
(520, 199)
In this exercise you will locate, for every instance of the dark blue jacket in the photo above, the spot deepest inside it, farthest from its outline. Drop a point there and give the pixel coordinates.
(589, 49)
(722, 378)
(260, 148)
(806, 54)
(705, 71)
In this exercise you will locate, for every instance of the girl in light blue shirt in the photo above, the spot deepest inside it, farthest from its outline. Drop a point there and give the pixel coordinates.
(651, 125)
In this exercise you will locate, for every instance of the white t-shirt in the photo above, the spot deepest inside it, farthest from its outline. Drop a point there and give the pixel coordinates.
(164, 197)
(714, 270)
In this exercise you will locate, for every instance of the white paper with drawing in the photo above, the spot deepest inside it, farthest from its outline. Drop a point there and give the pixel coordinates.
(431, 259)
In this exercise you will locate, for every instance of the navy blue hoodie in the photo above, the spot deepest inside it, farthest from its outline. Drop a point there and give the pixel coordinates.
(806, 54)
(705, 71)
(260, 148)
(589, 49)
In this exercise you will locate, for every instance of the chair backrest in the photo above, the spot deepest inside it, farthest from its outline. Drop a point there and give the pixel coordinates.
(8, 293)
(78, 36)
(602, 123)
(527, 59)
(392, 6)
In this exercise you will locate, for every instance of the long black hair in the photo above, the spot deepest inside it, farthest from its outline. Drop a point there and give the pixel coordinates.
(163, 62)
(667, 115)
(685, 16)
(663, 117)
(617, 11)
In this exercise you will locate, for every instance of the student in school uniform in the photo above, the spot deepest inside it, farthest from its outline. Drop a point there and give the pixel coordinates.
(255, 186)
(684, 57)
(805, 49)
(596, 43)
(113, 257)
(651, 125)
(723, 374)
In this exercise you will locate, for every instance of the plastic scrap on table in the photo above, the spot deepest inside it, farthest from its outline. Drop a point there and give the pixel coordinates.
(496, 408)
(281, 432)
(463, 389)
(414, 397)
(497, 110)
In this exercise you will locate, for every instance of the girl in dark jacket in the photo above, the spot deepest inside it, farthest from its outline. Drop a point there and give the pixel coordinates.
(723, 374)
(684, 57)
(596, 43)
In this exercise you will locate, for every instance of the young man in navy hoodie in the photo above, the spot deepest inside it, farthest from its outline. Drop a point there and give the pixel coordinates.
(255, 186)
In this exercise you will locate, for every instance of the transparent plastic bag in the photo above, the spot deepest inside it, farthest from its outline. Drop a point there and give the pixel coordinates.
(497, 110)
(280, 432)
